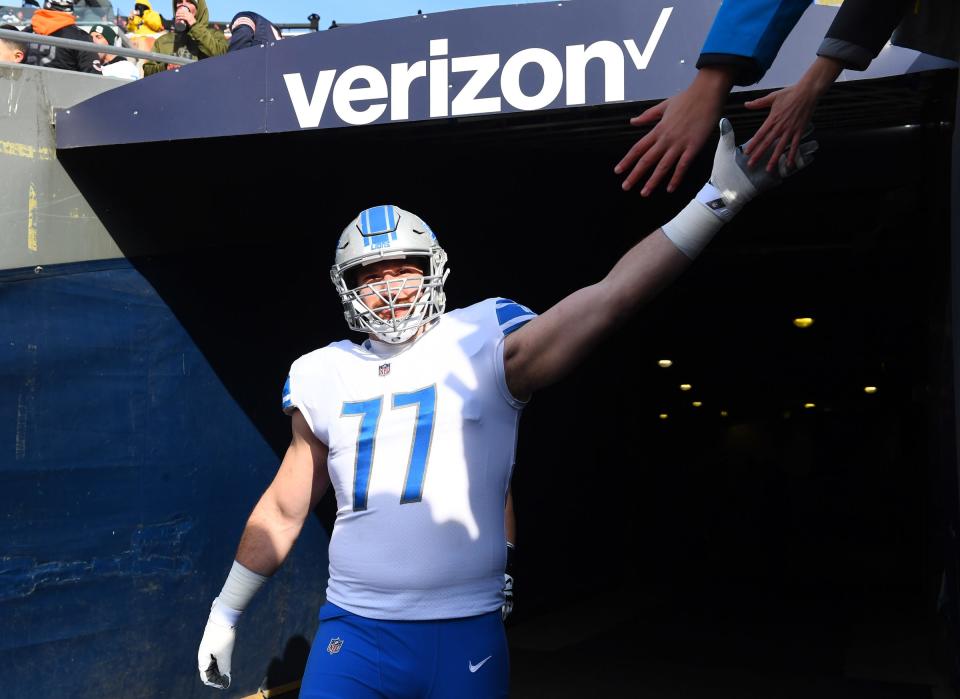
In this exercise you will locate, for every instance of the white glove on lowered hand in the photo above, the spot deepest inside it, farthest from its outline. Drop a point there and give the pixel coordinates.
(507, 596)
(216, 646)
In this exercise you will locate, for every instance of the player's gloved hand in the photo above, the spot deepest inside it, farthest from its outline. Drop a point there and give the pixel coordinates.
(736, 183)
(507, 596)
(508, 582)
(216, 646)
(732, 184)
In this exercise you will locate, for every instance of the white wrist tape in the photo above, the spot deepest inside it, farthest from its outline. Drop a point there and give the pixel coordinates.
(222, 615)
(240, 587)
(723, 205)
(697, 223)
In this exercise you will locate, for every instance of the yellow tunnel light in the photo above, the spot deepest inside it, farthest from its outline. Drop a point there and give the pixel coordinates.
(803, 322)
(663, 416)
(685, 387)
(665, 363)
(869, 389)
(697, 403)
(723, 413)
(809, 405)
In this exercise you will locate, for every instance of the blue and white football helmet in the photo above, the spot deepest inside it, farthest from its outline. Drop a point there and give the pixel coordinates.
(387, 233)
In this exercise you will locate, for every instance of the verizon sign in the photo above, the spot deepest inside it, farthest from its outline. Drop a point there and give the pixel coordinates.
(487, 60)
(527, 80)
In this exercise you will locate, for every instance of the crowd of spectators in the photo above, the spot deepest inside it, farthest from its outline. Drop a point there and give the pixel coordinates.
(188, 34)
(56, 19)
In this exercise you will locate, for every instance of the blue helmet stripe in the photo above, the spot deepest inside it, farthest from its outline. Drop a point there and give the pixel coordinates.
(392, 220)
(377, 219)
(375, 223)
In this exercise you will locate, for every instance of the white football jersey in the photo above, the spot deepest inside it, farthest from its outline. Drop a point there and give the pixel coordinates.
(421, 441)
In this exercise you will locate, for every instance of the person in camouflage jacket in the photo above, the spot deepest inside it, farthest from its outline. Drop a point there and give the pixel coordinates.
(196, 40)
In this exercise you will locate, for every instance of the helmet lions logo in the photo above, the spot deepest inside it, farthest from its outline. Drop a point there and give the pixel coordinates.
(334, 646)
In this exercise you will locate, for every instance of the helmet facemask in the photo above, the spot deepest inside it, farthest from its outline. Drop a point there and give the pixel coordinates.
(389, 233)
(394, 320)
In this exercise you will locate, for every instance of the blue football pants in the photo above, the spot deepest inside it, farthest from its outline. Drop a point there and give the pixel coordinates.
(354, 657)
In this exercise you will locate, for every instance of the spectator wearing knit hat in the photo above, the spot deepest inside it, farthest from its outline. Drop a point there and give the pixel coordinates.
(57, 19)
(110, 65)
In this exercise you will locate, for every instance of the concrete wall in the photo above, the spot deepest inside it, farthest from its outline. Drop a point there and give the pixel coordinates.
(43, 218)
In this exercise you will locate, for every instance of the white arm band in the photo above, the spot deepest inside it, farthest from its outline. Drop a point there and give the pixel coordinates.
(240, 587)
(697, 223)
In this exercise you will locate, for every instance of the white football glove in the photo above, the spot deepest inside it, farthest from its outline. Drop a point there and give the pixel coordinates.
(216, 646)
(507, 596)
(737, 184)
(732, 184)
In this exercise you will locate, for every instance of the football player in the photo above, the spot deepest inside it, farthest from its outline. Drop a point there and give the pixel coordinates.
(415, 429)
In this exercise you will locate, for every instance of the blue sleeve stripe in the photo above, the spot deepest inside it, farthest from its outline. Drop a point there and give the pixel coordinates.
(514, 310)
(512, 315)
(507, 329)
(507, 302)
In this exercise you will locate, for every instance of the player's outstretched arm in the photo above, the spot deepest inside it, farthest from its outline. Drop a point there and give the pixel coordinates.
(271, 531)
(549, 346)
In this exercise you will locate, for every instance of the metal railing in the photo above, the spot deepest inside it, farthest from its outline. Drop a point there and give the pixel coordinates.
(29, 38)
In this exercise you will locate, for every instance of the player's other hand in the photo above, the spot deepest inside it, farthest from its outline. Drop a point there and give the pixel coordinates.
(683, 124)
(507, 596)
(738, 182)
(216, 649)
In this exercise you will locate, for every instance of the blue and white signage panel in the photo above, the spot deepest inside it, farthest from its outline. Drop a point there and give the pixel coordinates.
(492, 60)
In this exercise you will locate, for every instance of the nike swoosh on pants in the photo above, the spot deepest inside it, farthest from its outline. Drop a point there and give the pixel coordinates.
(474, 668)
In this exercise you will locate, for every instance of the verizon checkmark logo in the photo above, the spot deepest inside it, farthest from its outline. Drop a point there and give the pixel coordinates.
(474, 668)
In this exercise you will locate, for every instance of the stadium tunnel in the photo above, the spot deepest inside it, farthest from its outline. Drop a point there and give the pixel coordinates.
(791, 531)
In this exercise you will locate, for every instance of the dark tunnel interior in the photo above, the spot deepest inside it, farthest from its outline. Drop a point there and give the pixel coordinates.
(782, 525)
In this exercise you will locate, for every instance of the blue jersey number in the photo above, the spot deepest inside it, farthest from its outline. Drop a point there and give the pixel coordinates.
(425, 400)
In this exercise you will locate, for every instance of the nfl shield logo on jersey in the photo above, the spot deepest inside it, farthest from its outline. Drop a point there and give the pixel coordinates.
(384, 369)
(334, 646)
